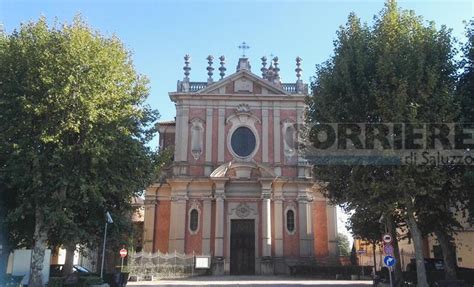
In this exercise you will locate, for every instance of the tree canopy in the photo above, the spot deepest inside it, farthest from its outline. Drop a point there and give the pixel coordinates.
(399, 70)
(74, 131)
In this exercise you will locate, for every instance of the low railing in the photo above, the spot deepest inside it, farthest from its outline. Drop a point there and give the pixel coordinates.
(144, 266)
(196, 86)
(290, 88)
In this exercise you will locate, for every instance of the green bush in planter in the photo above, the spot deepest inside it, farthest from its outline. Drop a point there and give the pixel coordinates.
(55, 282)
(90, 280)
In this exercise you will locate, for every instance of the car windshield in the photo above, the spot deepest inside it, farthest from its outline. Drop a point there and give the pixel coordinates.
(81, 269)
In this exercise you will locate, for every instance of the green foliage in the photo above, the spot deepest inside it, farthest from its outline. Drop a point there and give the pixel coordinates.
(466, 81)
(89, 281)
(353, 256)
(55, 282)
(78, 143)
(343, 244)
(399, 70)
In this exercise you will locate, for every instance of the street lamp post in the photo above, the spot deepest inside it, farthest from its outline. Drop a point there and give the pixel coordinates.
(108, 219)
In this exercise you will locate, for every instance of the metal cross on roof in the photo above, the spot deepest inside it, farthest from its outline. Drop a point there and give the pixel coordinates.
(244, 47)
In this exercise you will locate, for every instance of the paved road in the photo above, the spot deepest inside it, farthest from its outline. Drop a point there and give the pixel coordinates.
(248, 281)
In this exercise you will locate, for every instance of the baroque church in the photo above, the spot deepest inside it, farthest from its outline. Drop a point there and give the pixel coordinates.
(237, 189)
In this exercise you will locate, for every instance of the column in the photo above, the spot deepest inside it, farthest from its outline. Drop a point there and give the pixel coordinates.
(218, 262)
(267, 266)
(206, 226)
(220, 135)
(304, 225)
(266, 224)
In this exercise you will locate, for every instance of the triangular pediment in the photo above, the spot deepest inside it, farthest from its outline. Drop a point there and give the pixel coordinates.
(243, 82)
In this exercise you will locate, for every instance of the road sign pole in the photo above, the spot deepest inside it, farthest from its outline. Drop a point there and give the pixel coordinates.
(103, 252)
(390, 276)
(121, 267)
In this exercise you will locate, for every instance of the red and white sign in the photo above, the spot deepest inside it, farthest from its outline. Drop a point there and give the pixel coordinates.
(123, 252)
(387, 238)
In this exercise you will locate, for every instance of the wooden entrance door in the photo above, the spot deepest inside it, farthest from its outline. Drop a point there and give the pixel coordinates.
(242, 247)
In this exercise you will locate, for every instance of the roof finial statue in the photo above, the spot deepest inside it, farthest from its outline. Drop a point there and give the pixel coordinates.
(298, 69)
(210, 69)
(186, 68)
(276, 70)
(222, 69)
(244, 47)
(183, 86)
(299, 82)
(264, 69)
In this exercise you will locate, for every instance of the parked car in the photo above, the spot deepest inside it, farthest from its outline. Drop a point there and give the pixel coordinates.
(56, 270)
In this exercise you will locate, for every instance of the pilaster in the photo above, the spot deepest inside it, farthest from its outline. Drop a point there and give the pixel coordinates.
(178, 215)
(332, 229)
(278, 217)
(209, 132)
(149, 224)
(206, 226)
(265, 133)
(305, 230)
(220, 135)
(276, 134)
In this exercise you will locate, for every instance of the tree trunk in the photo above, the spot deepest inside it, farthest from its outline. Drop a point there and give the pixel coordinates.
(374, 247)
(418, 244)
(449, 253)
(69, 262)
(4, 250)
(37, 255)
(396, 252)
(4, 259)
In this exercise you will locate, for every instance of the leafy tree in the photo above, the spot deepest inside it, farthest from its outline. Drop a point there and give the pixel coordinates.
(466, 81)
(74, 126)
(465, 86)
(398, 71)
(343, 244)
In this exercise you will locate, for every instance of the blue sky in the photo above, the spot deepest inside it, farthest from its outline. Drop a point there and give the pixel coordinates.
(160, 33)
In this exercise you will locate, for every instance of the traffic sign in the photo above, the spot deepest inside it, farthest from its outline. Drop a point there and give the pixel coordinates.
(387, 238)
(388, 249)
(361, 251)
(389, 261)
(123, 252)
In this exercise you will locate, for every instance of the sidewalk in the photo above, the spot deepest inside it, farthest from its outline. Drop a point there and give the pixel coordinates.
(251, 281)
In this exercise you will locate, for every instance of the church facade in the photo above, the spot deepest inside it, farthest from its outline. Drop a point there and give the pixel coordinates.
(237, 189)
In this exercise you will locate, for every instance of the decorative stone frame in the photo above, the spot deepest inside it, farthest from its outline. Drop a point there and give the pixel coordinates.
(195, 205)
(243, 118)
(235, 211)
(197, 137)
(288, 150)
(291, 206)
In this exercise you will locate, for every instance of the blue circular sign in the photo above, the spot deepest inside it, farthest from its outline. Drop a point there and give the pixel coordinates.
(389, 261)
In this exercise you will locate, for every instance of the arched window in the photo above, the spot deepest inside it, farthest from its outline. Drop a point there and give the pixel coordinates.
(193, 220)
(290, 221)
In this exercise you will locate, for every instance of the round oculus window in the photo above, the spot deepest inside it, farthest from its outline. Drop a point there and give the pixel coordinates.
(243, 141)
